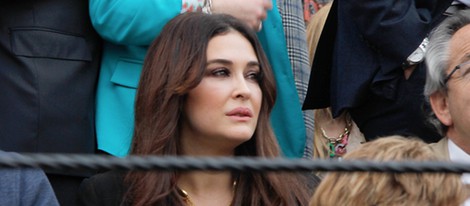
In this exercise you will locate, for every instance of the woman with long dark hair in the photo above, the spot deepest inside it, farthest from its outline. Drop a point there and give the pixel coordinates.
(206, 89)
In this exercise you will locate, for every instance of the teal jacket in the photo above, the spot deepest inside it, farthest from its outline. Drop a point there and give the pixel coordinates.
(129, 27)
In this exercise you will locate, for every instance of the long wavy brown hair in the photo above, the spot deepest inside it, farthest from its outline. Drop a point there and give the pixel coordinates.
(175, 64)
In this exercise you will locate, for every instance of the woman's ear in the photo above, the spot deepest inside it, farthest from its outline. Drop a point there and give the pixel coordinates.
(440, 107)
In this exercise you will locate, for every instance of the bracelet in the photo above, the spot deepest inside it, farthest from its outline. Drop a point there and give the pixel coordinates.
(192, 5)
(207, 8)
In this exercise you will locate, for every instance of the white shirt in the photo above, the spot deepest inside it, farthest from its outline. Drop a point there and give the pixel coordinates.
(458, 155)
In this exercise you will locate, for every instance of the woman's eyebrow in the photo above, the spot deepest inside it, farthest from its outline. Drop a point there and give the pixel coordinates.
(220, 61)
(253, 63)
(228, 62)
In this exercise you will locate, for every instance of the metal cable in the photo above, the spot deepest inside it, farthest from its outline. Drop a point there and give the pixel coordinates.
(101, 162)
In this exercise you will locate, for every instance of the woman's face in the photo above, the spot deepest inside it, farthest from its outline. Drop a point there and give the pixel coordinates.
(222, 111)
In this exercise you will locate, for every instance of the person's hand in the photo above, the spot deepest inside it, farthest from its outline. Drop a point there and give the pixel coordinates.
(252, 12)
(408, 71)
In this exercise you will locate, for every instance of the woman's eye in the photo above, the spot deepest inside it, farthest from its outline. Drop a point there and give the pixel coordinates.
(253, 75)
(220, 72)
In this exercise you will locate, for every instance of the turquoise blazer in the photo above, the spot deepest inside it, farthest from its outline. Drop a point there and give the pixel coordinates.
(129, 27)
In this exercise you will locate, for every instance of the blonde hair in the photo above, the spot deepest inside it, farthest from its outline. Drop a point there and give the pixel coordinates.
(373, 188)
(315, 27)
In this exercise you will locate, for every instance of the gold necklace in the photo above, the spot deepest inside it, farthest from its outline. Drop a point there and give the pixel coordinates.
(187, 198)
(337, 146)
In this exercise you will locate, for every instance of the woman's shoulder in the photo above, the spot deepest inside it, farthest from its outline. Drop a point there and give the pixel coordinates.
(103, 189)
(106, 181)
(108, 176)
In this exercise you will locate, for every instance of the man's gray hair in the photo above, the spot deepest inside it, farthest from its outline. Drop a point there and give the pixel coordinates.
(437, 59)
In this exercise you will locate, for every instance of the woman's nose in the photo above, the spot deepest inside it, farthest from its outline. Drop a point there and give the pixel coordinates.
(241, 88)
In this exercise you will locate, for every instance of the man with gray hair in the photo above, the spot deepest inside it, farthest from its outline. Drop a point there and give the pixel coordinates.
(447, 87)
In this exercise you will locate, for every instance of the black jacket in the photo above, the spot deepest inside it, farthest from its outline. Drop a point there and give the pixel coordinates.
(49, 64)
(363, 46)
(108, 189)
(358, 65)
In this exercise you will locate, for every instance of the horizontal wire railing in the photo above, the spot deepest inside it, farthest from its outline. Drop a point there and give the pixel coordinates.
(105, 162)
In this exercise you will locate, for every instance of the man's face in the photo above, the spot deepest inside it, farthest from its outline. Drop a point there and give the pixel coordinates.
(453, 108)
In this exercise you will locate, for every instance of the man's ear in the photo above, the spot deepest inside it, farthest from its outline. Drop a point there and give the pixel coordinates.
(440, 107)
